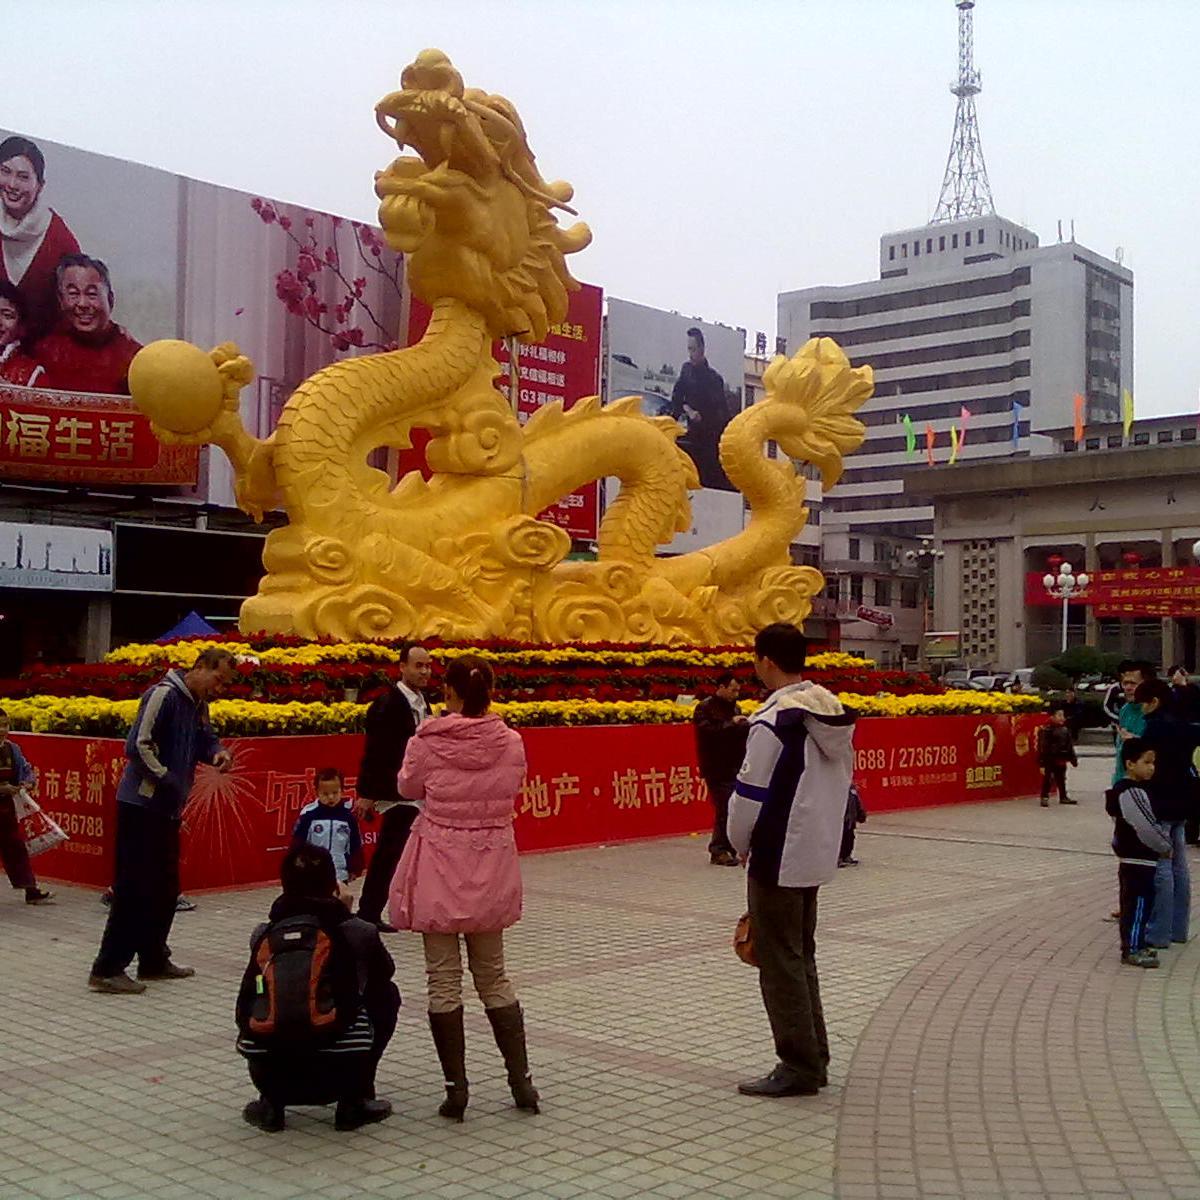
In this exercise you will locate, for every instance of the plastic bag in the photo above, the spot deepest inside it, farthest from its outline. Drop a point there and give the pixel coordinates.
(40, 833)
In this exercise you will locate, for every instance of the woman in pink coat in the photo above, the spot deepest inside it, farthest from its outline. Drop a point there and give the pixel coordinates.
(459, 873)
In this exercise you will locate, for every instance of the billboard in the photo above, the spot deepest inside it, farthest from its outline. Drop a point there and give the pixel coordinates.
(564, 366)
(99, 256)
(56, 556)
(691, 370)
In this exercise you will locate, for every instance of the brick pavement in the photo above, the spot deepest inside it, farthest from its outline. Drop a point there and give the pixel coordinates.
(986, 1041)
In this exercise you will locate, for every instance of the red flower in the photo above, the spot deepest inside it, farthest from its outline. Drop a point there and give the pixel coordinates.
(256, 203)
(360, 286)
(268, 214)
(285, 222)
(307, 265)
(331, 256)
(288, 288)
(354, 336)
(340, 341)
(310, 221)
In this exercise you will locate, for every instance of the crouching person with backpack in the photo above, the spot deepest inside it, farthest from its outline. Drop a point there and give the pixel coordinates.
(317, 1005)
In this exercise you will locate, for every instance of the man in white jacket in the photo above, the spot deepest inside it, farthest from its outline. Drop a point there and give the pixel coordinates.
(785, 816)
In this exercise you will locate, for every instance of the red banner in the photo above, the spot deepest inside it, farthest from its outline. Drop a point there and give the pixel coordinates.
(1133, 592)
(584, 786)
(917, 762)
(77, 438)
(565, 366)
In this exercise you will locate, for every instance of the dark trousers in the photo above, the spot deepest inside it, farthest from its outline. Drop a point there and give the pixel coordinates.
(1054, 773)
(719, 794)
(847, 847)
(783, 923)
(145, 888)
(1137, 904)
(393, 835)
(323, 1078)
(12, 847)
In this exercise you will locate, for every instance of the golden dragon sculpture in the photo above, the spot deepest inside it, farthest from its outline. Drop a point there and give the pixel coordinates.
(464, 555)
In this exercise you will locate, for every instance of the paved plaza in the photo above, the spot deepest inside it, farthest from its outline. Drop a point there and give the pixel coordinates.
(986, 1040)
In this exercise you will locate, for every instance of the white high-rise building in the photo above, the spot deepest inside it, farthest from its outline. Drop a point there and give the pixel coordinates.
(970, 314)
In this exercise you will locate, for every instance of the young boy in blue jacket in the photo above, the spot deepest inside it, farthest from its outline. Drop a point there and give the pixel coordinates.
(329, 823)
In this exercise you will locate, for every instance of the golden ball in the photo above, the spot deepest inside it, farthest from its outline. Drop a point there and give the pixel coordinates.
(176, 385)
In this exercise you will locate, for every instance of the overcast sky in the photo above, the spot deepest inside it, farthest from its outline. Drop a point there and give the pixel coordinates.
(721, 151)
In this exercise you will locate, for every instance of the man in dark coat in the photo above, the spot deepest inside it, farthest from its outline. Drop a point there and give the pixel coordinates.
(699, 395)
(171, 734)
(720, 746)
(391, 720)
(344, 1071)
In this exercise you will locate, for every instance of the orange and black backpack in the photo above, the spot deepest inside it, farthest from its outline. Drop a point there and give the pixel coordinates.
(300, 989)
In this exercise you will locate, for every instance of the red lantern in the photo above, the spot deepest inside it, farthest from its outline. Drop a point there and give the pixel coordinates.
(1131, 558)
(1055, 561)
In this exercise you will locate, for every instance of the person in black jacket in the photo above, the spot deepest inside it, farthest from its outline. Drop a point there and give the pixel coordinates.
(1172, 794)
(391, 720)
(1140, 843)
(1184, 693)
(720, 747)
(699, 395)
(1056, 749)
(344, 1070)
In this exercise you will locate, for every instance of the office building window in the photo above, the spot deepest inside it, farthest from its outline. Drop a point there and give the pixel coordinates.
(853, 549)
(1165, 435)
(908, 593)
(967, 238)
(916, 249)
(1188, 434)
(929, 245)
(1093, 443)
(1114, 441)
(891, 254)
(942, 242)
(856, 589)
(883, 592)
(954, 241)
(981, 237)
(1141, 439)
(904, 250)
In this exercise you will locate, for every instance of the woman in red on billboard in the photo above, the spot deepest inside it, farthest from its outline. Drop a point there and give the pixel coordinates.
(15, 365)
(33, 237)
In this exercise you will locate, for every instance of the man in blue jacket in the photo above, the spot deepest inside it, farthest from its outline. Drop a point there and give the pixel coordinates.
(170, 735)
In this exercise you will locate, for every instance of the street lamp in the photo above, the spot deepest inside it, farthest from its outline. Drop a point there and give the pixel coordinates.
(925, 558)
(1065, 586)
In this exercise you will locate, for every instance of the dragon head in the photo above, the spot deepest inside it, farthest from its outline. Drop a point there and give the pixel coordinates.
(470, 209)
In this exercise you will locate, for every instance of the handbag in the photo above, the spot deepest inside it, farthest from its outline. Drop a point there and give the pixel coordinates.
(39, 832)
(743, 941)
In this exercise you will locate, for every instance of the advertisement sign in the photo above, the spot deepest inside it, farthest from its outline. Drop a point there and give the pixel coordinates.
(56, 556)
(99, 256)
(875, 616)
(584, 787)
(564, 366)
(941, 645)
(693, 371)
(1133, 592)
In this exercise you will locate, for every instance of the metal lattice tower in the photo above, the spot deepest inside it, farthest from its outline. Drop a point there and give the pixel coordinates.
(965, 189)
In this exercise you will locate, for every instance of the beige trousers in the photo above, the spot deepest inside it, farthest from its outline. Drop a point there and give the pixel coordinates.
(485, 957)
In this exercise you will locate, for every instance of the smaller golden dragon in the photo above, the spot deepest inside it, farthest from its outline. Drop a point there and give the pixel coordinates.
(464, 555)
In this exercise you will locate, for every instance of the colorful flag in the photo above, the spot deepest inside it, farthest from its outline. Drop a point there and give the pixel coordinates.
(930, 438)
(955, 442)
(910, 436)
(1080, 423)
(1127, 411)
(964, 416)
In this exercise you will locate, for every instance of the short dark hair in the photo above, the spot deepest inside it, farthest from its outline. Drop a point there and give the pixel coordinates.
(725, 678)
(211, 658)
(407, 648)
(12, 293)
(83, 260)
(695, 333)
(325, 774)
(1143, 668)
(471, 679)
(1056, 709)
(307, 873)
(784, 645)
(1177, 667)
(1133, 749)
(1153, 689)
(20, 147)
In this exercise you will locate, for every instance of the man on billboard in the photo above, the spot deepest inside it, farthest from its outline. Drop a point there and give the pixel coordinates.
(699, 395)
(33, 237)
(88, 351)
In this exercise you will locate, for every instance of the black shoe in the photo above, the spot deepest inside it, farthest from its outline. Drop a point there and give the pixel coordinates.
(354, 1114)
(1064, 800)
(168, 970)
(264, 1115)
(384, 927)
(847, 862)
(782, 1081)
(1045, 801)
(106, 898)
(724, 858)
(183, 904)
(37, 895)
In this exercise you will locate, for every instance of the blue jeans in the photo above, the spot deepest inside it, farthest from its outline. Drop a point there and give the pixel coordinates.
(1172, 893)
